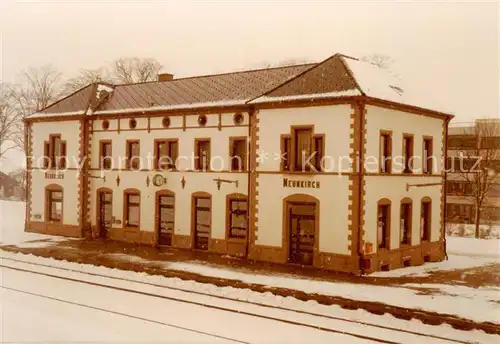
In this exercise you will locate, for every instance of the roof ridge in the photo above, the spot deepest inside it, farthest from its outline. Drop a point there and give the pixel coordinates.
(218, 74)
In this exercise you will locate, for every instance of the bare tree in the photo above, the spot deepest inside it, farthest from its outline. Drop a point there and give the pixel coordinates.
(480, 166)
(86, 77)
(128, 70)
(8, 120)
(380, 60)
(37, 88)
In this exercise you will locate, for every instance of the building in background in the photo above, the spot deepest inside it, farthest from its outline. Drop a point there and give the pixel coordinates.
(473, 180)
(10, 188)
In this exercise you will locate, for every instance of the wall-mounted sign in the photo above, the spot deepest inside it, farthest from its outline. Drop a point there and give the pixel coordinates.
(306, 184)
(54, 175)
(159, 180)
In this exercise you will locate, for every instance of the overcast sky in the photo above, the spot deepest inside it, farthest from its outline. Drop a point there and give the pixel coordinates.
(450, 48)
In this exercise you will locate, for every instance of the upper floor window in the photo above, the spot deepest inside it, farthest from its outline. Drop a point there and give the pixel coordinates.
(407, 153)
(427, 155)
(105, 153)
(133, 154)
(238, 153)
(55, 152)
(385, 152)
(166, 154)
(302, 151)
(202, 154)
(405, 221)
(383, 223)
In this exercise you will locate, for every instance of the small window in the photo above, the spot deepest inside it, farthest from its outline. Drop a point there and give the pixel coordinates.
(405, 222)
(55, 205)
(202, 158)
(383, 225)
(202, 120)
(166, 154)
(425, 220)
(133, 155)
(238, 154)
(238, 218)
(407, 153)
(238, 118)
(303, 148)
(132, 209)
(427, 155)
(132, 123)
(385, 152)
(165, 122)
(106, 157)
(286, 146)
(105, 124)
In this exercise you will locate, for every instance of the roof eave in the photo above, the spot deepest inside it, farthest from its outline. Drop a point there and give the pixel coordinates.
(411, 108)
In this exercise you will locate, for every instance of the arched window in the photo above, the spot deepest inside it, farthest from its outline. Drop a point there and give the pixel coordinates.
(132, 208)
(405, 221)
(54, 203)
(165, 216)
(201, 219)
(237, 216)
(384, 223)
(425, 219)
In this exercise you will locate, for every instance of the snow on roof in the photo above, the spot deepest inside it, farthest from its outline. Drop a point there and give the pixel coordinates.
(58, 114)
(346, 93)
(384, 84)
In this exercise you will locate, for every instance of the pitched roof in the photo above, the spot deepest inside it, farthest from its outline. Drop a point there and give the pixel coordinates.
(336, 77)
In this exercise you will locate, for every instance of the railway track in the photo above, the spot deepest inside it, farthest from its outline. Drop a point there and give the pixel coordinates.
(227, 309)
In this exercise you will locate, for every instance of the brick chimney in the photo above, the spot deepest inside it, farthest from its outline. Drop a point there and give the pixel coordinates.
(165, 77)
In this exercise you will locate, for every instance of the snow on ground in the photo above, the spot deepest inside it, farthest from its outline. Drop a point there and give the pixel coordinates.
(242, 326)
(479, 304)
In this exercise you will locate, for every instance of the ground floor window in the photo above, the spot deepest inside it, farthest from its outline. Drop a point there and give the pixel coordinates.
(202, 212)
(55, 204)
(237, 217)
(166, 215)
(425, 219)
(383, 223)
(405, 221)
(132, 208)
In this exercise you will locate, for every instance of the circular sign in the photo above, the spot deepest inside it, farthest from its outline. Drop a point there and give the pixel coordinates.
(159, 180)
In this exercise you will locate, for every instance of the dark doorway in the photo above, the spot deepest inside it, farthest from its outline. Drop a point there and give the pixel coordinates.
(105, 212)
(166, 214)
(202, 214)
(302, 231)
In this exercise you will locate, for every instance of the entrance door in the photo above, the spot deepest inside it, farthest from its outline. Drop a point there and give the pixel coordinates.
(202, 213)
(105, 212)
(166, 211)
(302, 230)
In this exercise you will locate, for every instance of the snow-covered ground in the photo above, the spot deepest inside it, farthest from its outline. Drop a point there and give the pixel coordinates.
(40, 304)
(479, 304)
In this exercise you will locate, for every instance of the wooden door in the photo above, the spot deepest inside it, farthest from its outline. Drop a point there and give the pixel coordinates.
(202, 220)
(166, 213)
(105, 212)
(302, 232)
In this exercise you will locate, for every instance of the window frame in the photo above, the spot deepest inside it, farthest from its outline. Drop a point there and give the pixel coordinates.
(229, 212)
(408, 150)
(126, 207)
(385, 151)
(386, 232)
(427, 234)
(49, 200)
(405, 234)
(128, 151)
(51, 161)
(427, 161)
(197, 159)
(102, 157)
(232, 141)
(290, 155)
(172, 157)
